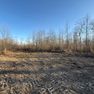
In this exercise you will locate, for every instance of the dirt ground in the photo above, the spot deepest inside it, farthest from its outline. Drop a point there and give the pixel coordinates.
(48, 73)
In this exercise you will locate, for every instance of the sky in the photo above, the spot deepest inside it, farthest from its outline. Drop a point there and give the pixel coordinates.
(23, 17)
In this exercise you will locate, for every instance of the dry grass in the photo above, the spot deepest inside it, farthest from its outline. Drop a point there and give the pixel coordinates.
(7, 58)
(15, 56)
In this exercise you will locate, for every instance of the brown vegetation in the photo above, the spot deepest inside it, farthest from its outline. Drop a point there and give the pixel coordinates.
(81, 40)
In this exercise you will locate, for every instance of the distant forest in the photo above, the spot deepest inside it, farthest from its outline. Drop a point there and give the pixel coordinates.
(80, 39)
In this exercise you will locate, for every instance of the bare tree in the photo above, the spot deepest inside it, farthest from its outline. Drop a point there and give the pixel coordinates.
(87, 33)
(92, 29)
(5, 36)
(75, 36)
(79, 30)
(67, 36)
(60, 38)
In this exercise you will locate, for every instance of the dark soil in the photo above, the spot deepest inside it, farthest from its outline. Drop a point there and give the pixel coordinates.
(48, 73)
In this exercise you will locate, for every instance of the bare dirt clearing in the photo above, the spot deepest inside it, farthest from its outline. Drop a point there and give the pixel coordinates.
(47, 73)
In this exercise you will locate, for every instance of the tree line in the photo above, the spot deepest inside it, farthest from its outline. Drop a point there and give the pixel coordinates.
(79, 39)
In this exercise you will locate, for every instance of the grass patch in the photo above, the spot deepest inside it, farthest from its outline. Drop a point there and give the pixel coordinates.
(6, 58)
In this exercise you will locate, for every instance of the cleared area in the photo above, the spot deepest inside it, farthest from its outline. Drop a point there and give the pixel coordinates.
(47, 73)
